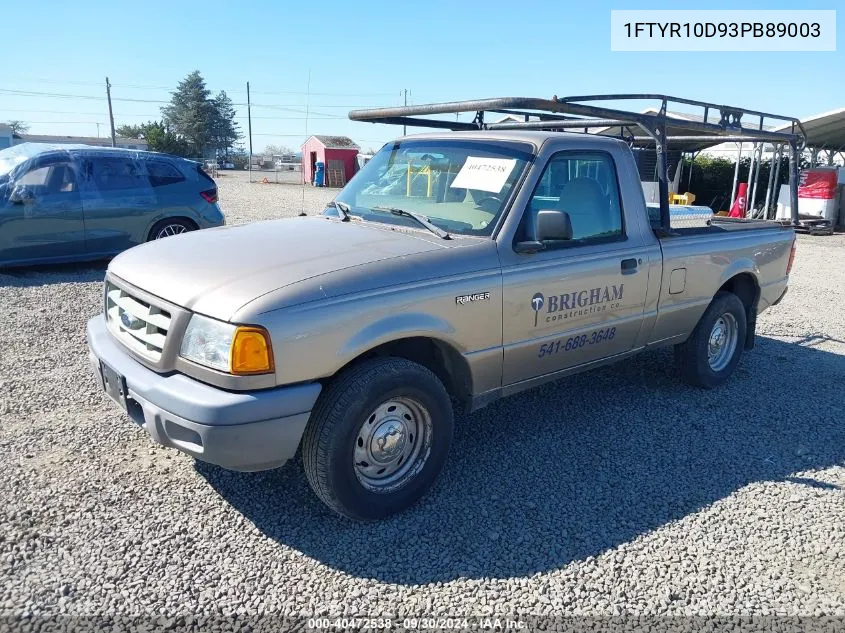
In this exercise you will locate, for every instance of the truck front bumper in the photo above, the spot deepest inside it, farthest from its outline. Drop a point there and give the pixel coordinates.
(252, 430)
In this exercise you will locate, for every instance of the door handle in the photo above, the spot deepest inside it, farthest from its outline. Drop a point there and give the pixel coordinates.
(629, 266)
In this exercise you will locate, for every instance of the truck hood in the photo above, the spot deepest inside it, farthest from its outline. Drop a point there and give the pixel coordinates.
(217, 271)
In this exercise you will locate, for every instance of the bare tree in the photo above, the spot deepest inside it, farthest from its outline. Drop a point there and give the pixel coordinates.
(18, 127)
(274, 150)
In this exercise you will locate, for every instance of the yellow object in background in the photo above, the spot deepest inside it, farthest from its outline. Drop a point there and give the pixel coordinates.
(682, 198)
(415, 173)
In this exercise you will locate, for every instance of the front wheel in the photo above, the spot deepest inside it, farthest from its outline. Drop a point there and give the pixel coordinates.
(378, 437)
(711, 353)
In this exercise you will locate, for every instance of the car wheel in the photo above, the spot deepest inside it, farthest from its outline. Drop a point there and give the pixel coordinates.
(711, 353)
(378, 438)
(169, 227)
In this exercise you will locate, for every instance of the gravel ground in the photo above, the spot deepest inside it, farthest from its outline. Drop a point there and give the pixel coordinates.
(620, 491)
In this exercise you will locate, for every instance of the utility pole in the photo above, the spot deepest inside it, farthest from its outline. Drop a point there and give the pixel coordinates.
(405, 127)
(249, 125)
(111, 116)
(98, 129)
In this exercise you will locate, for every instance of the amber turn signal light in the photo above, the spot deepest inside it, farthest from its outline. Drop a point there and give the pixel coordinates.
(251, 352)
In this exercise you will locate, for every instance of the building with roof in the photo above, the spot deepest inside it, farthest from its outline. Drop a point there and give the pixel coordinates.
(125, 143)
(825, 137)
(338, 155)
(6, 136)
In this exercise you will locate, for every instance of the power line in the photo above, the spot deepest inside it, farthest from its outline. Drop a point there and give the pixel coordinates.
(56, 95)
(155, 116)
(132, 86)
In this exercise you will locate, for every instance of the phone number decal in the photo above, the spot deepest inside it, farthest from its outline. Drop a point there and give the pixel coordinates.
(576, 342)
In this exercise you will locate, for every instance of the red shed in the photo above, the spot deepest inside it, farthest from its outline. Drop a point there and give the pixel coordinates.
(338, 153)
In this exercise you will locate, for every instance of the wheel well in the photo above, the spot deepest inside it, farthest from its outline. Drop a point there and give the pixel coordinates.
(157, 223)
(744, 286)
(443, 360)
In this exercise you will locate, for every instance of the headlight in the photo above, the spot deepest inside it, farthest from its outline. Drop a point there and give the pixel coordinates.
(235, 349)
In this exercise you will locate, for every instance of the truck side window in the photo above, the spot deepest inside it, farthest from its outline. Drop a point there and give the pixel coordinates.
(585, 186)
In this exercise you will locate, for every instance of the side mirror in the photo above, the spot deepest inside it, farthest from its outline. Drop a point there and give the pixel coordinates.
(20, 195)
(553, 224)
(550, 225)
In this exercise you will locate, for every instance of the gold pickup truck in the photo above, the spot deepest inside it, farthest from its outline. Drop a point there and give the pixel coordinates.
(455, 268)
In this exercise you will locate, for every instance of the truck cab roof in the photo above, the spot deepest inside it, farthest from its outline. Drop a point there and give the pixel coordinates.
(535, 137)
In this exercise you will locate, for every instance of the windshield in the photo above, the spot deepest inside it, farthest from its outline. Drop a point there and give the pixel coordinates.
(14, 156)
(461, 186)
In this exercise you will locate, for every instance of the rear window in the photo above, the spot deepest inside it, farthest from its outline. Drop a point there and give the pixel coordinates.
(204, 176)
(162, 173)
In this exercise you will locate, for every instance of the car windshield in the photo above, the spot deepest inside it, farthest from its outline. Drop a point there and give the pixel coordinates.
(12, 157)
(461, 186)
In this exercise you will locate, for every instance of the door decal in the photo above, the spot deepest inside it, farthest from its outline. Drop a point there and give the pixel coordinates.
(576, 303)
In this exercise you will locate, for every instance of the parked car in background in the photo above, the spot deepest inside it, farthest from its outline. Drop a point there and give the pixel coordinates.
(62, 203)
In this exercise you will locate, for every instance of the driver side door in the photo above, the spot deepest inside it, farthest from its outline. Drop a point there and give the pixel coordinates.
(579, 301)
(41, 216)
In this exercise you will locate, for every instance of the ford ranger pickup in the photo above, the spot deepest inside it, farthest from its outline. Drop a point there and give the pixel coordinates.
(455, 268)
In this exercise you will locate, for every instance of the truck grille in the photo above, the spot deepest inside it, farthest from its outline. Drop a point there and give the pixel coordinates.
(140, 326)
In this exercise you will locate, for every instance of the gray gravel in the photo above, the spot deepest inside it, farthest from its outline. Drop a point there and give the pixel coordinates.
(620, 491)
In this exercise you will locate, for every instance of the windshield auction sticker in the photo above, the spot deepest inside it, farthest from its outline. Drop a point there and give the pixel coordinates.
(758, 30)
(484, 174)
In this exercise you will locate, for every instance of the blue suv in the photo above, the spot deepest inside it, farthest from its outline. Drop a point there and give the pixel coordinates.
(62, 203)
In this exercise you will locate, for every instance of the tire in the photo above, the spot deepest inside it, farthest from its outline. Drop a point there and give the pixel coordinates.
(706, 366)
(170, 226)
(362, 456)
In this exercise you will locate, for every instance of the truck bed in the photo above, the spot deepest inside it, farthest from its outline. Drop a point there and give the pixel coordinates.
(693, 220)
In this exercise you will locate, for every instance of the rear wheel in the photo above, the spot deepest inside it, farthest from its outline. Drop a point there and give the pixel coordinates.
(169, 227)
(711, 353)
(378, 437)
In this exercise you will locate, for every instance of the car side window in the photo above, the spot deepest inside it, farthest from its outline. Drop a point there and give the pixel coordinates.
(117, 173)
(35, 177)
(55, 178)
(162, 173)
(585, 186)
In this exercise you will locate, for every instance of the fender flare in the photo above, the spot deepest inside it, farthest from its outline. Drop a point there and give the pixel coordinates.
(395, 327)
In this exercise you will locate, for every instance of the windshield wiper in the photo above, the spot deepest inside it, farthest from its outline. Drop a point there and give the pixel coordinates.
(343, 209)
(419, 218)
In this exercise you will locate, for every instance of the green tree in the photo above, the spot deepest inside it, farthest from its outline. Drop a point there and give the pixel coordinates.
(224, 128)
(712, 179)
(192, 114)
(129, 131)
(158, 138)
(18, 127)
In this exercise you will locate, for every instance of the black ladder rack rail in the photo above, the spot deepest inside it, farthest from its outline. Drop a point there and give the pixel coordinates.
(583, 113)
